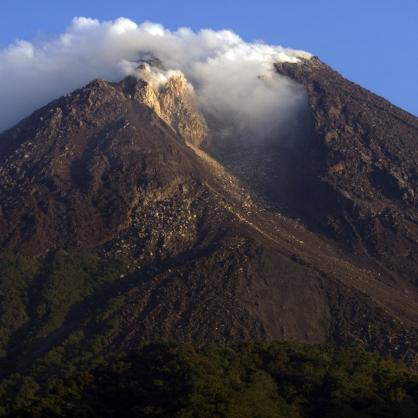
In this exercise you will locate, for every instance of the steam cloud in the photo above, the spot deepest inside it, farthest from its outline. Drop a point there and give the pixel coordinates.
(231, 78)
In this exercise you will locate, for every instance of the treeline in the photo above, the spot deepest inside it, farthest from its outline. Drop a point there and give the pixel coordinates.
(252, 380)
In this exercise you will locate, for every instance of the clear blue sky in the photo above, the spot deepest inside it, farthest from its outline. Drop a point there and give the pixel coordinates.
(372, 42)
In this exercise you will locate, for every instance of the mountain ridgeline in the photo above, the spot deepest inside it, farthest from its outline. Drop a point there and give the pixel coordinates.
(125, 217)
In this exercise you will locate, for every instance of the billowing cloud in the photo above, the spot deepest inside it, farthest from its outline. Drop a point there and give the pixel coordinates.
(231, 78)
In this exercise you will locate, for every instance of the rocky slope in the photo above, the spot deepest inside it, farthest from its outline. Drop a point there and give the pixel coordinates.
(366, 153)
(318, 246)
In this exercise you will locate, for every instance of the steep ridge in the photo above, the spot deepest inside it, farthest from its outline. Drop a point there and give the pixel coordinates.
(115, 170)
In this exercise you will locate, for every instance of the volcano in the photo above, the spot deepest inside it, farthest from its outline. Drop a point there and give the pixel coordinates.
(125, 215)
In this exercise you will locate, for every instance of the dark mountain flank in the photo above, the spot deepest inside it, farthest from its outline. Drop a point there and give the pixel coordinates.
(366, 156)
(124, 218)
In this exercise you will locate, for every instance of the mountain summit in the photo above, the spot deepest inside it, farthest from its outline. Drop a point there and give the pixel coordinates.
(136, 217)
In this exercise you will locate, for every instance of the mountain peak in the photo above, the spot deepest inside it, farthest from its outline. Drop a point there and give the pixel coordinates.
(171, 97)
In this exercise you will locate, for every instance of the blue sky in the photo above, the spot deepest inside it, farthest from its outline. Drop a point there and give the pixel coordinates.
(372, 42)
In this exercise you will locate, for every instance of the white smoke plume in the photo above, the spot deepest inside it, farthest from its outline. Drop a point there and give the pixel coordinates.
(230, 77)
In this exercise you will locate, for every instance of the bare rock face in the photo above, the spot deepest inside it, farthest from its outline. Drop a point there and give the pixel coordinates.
(114, 169)
(173, 102)
(179, 110)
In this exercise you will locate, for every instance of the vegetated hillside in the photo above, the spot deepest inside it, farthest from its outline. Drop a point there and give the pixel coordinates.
(247, 381)
(127, 230)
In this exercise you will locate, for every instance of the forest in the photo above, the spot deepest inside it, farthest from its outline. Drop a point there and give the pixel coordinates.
(265, 380)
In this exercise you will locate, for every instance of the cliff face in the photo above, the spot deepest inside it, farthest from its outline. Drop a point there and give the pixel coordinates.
(172, 101)
(211, 253)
